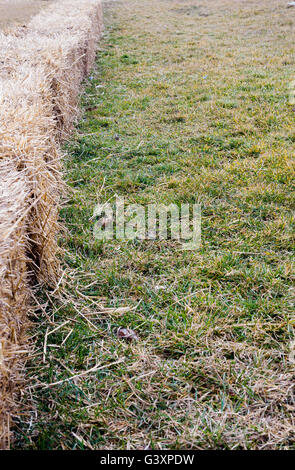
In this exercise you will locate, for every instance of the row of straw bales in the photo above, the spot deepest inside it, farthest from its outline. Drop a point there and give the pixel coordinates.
(41, 70)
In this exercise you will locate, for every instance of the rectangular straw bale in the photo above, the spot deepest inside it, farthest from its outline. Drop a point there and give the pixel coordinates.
(42, 67)
(14, 291)
(27, 137)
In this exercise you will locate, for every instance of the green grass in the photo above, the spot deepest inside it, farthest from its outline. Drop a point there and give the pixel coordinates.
(181, 107)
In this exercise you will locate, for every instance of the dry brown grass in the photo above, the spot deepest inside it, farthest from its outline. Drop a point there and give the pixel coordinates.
(43, 66)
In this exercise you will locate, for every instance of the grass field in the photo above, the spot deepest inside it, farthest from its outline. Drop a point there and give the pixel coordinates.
(189, 102)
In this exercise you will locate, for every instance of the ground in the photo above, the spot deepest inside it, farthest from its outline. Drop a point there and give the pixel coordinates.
(190, 101)
(14, 12)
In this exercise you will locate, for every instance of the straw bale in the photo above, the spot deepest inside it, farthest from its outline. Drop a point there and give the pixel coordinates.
(42, 68)
(14, 196)
(43, 98)
(27, 128)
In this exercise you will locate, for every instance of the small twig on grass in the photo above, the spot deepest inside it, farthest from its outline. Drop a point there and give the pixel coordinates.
(85, 318)
(66, 338)
(59, 282)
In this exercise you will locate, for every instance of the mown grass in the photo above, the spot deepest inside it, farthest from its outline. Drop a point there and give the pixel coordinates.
(189, 102)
